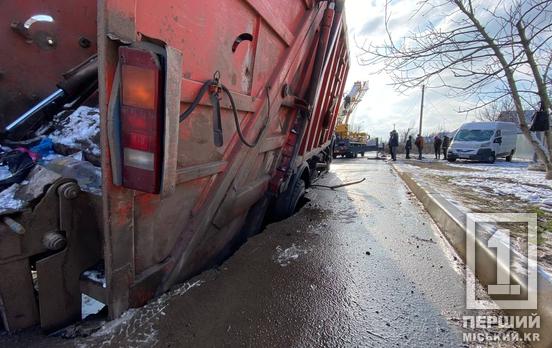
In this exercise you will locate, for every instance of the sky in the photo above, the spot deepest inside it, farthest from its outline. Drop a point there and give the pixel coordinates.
(383, 107)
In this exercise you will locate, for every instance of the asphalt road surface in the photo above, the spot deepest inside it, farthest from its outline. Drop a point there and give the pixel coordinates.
(362, 265)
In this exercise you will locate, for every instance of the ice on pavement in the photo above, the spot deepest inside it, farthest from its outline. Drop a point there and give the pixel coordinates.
(80, 129)
(283, 257)
(136, 326)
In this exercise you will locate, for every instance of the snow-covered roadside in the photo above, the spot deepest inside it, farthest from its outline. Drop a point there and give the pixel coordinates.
(501, 178)
(500, 187)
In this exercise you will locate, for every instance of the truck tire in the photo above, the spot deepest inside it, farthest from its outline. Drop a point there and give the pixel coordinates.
(362, 154)
(255, 219)
(329, 162)
(491, 158)
(287, 203)
(451, 159)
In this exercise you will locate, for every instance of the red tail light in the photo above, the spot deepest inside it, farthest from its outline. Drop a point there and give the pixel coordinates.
(141, 118)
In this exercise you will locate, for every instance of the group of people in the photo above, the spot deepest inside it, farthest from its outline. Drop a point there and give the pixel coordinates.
(438, 145)
(441, 145)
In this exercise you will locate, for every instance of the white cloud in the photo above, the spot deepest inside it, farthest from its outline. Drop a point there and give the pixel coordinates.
(382, 106)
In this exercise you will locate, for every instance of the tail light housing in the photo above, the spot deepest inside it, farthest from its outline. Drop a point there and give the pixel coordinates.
(142, 109)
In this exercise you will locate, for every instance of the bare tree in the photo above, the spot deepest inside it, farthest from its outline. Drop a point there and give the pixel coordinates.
(404, 133)
(482, 53)
(492, 111)
(439, 130)
(355, 128)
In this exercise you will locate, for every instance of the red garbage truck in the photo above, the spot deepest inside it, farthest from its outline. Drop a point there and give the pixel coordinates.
(211, 116)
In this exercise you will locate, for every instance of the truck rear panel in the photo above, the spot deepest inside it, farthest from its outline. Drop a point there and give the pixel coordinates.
(283, 63)
(153, 241)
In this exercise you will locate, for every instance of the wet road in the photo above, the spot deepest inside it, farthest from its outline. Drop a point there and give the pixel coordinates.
(358, 266)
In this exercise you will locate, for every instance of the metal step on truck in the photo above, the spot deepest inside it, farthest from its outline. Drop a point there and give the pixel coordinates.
(143, 140)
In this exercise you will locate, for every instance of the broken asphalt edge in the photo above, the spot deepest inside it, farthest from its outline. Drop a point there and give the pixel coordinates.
(452, 223)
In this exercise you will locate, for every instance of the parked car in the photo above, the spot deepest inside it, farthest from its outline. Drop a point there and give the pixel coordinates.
(484, 141)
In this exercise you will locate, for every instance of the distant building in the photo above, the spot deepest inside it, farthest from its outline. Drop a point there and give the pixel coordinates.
(511, 116)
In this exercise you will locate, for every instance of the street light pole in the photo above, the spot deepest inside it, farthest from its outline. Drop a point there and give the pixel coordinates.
(422, 110)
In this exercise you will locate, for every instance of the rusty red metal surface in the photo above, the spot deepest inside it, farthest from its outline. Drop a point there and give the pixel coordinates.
(284, 63)
(152, 241)
(32, 60)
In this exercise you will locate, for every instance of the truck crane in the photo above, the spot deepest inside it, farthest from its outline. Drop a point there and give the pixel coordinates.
(350, 142)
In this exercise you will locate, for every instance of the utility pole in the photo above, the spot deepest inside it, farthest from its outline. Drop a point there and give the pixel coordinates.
(422, 110)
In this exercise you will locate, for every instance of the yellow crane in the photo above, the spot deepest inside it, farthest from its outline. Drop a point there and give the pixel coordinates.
(349, 105)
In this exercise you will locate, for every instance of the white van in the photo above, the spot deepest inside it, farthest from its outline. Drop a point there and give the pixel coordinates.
(484, 141)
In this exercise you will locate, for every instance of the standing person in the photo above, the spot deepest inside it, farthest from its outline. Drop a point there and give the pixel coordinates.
(446, 144)
(420, 145)
(408, 146)
(437, 142)
(393, 144)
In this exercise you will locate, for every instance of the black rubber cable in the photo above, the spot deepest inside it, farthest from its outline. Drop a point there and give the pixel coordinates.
(237, 120)
(204, 90)
(197, 99)
(340, 185)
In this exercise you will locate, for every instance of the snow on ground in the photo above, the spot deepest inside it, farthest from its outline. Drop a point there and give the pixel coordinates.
(501, 178)
(503, 184)
(283, 257)
(80, 129)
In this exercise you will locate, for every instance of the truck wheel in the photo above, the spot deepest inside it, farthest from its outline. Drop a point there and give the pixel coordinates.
(287, 203)
(491, 158)
(362, 154)
(255, 219)
(451, 159)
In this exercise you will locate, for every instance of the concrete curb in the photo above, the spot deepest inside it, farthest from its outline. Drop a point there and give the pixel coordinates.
(452, 222)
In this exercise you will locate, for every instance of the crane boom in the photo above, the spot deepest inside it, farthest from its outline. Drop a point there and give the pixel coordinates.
(348, 107)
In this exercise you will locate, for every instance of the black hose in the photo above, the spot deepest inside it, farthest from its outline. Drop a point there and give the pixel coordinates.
(340, 185)
(197, 99)
(204, 90)
(237, 120)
